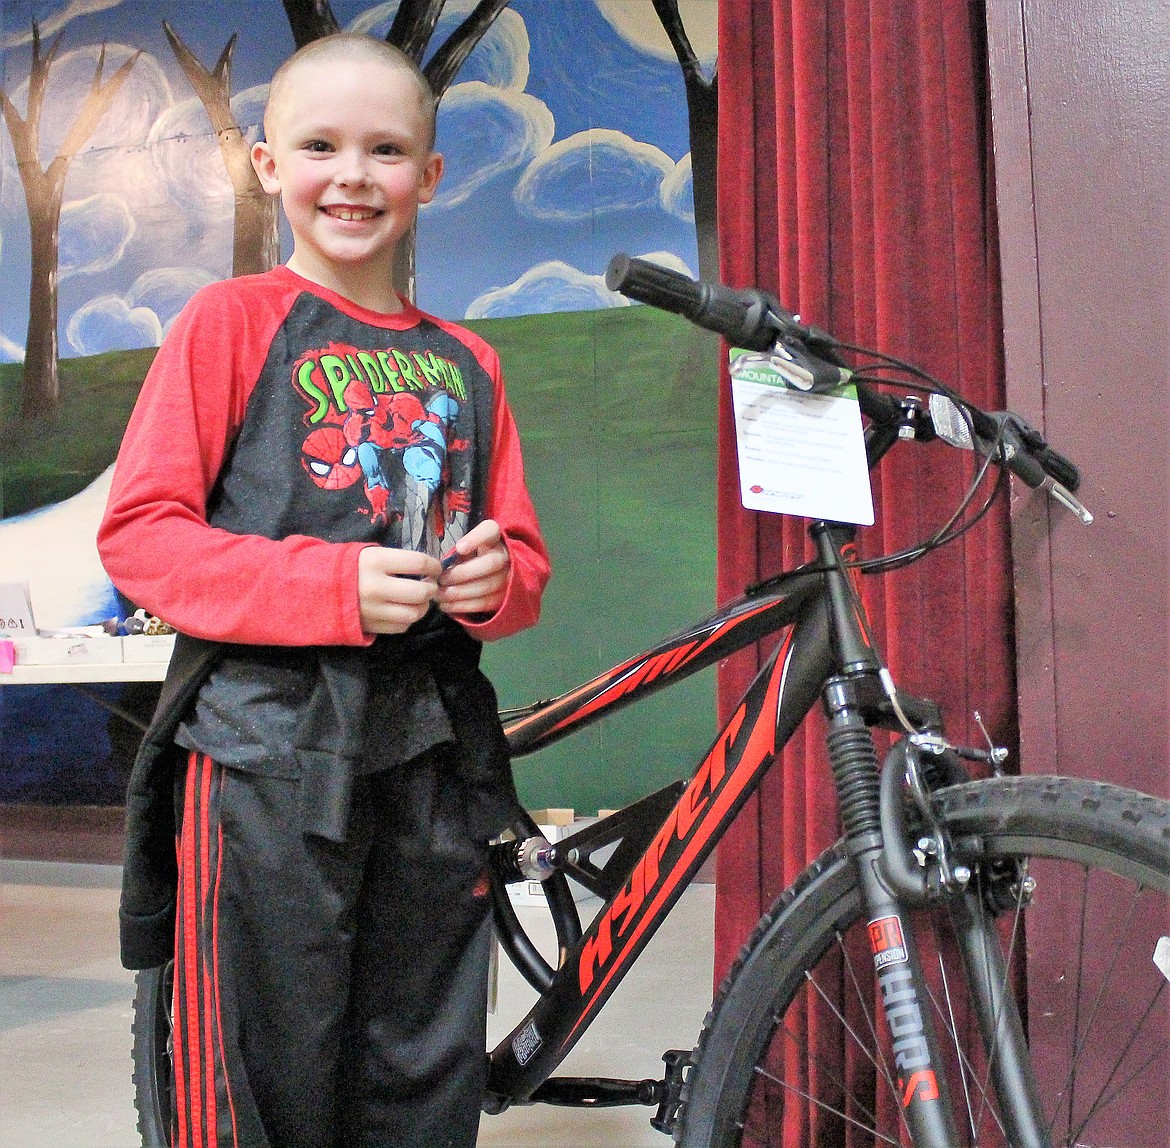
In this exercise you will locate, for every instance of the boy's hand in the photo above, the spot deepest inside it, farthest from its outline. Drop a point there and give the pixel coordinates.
(476, 581)
(395, 588)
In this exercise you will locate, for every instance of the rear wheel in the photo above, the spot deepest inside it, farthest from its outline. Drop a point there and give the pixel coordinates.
(152, 1054)
(796, 1050)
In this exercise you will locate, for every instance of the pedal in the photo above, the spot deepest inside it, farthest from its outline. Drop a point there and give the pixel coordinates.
(677, 1062)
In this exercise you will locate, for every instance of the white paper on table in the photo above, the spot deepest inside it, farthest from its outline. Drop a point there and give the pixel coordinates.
(799, 453)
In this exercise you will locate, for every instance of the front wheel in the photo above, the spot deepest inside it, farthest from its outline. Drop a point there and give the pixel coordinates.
(1076, 875)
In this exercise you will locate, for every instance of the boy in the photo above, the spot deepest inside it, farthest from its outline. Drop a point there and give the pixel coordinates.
(305, 448)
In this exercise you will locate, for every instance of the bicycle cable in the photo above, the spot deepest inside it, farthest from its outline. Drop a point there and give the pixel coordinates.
(883, 671)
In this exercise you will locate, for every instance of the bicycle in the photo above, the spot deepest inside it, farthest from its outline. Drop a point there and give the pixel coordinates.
(934, 868)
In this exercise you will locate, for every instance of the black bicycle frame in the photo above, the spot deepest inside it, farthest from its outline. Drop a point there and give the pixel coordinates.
(775, 704)
(823, 651)
(688, 822)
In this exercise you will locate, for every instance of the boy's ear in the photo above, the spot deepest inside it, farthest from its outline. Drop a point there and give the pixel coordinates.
(264, 163)
(432, 173)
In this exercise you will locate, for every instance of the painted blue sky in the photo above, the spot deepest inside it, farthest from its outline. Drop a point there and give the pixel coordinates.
(565, 138)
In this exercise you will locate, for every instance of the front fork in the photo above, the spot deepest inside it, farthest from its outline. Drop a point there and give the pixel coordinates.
(893, 881)
(915, 1075)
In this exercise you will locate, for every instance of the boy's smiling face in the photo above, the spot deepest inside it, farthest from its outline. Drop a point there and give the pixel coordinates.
(349, 153)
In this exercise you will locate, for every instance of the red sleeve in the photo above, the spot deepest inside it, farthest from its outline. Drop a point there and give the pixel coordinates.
(508, 502)
(154, 539)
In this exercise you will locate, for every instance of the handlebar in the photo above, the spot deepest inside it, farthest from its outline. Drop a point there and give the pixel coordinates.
(747, 318)
(755, 320)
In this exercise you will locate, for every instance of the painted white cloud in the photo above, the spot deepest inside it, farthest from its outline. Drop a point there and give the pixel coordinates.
(593, 172)
(637, 23)
(187, 163)
(55, 551)
(544, 289)
(166, 290)
(677, 192)
(53, 23)
(114, 159)
(669, 260)
(141, 317)
(501, 58)
(160, 158)
(484, 132)
(109, 323)
(248, 108)
(94, 234)
(555, 286)
(140, 98)
(10, 350)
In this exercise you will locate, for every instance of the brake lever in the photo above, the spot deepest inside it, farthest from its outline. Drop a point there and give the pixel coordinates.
(1012, 450)
(1066, 499)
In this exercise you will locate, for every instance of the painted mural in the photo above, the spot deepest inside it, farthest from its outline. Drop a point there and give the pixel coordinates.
(568, 133)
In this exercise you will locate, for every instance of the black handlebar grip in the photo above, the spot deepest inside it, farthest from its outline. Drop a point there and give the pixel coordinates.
(1060, 468)
(744, 318)
(1029, 457)
(648, 283)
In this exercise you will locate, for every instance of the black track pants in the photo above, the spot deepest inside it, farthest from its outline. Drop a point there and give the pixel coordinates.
(329, 996)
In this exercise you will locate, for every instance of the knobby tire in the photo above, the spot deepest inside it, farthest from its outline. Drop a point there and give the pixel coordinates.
(151, 1055)
(1100, 1020)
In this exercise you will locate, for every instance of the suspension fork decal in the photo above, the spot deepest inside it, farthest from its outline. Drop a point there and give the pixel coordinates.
(891, 958)
(612, 942)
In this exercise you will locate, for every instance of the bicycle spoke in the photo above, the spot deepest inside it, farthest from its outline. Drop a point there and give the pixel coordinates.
(1105, 1099)
(807, 1097)
(873, 1052)
(966, 1068)
(1081, 1037)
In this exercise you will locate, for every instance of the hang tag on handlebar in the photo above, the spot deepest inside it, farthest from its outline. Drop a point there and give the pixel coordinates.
(801, 451)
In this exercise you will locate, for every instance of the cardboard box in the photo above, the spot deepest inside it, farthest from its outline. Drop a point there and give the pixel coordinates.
(68, 651)
(555, 817)
(148, 647)
(16, 616)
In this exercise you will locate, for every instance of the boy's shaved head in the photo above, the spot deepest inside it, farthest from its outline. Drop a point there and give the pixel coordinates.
(341, 47)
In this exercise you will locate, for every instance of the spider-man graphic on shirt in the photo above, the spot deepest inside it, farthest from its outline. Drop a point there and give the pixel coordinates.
(404, 446)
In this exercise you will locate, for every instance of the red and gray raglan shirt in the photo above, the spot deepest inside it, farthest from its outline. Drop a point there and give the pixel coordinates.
(281, 429)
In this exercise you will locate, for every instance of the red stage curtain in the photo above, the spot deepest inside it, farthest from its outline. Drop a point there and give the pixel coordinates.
(855, 182)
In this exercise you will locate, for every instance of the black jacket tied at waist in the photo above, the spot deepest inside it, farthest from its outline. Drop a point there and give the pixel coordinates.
(328, 748)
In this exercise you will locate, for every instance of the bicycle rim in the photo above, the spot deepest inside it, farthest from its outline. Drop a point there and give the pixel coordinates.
(795, 1050)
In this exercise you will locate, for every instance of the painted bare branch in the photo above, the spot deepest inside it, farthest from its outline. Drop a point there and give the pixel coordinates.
(44, 191)
(255, 239)
(703, 120)
(310, 20)
(414, 25)
(442, 68)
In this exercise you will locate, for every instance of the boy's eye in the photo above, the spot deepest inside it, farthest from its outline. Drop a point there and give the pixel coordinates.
(387, 149)
(317, 145)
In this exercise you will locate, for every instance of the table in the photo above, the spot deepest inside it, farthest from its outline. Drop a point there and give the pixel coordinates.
(63, 674)
(81, 675)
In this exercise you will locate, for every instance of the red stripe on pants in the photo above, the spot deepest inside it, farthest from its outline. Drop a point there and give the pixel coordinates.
(198, 1046)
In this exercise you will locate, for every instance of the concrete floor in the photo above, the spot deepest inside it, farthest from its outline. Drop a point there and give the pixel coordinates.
(65, 1005)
